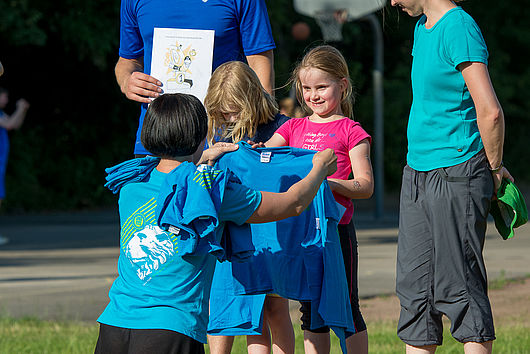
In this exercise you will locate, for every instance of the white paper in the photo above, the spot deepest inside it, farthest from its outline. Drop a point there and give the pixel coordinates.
(182, 60)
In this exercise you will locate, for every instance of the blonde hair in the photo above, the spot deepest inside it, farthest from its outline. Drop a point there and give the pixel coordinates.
(235, 87)
(331, 61)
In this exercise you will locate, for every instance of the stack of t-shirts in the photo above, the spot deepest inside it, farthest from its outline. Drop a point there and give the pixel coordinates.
(188, 205)
(130, 171)
(298, 258)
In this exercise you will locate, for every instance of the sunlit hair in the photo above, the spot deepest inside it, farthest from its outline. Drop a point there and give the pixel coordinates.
(235, 87)
(174, 125)
(332, 62)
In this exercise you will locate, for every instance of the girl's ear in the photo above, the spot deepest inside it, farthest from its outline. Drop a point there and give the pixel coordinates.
(343, 88)
(343, 84)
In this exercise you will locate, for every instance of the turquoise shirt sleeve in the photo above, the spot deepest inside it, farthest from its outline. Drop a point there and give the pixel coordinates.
(464, 42)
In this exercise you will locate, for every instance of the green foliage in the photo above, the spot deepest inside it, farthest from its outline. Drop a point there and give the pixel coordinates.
(86, 29)
(19, 22)
(60, 56)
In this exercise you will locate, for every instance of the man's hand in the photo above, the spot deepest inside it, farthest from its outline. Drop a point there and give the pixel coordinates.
(209, 156)
(141, 87)
(327, 160)
(136, 85)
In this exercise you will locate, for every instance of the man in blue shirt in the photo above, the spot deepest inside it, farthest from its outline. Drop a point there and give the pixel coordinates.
(172, 216)
(242, 32)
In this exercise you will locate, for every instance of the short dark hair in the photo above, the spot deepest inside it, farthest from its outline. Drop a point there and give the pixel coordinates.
(3, 90)
(174, 125)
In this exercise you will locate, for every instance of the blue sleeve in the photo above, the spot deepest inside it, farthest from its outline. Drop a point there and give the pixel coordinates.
(464, 42)
(254, 26)
(131, 43)
(130, 171)
(239, 202)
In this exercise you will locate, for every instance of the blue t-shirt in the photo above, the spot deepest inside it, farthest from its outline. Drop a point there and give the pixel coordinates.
(158, 287)
(442, 128)
(298, 258)
(238, 315)
(242, 28)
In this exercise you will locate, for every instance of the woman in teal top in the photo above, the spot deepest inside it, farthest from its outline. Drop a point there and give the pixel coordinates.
(454, 166)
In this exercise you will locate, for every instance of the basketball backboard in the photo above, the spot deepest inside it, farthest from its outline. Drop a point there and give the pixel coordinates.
(354, 8)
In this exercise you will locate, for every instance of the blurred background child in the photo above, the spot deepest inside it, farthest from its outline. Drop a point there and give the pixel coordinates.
(8, 122)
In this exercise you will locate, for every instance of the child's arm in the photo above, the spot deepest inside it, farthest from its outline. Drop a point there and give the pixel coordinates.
(212, 154)
(275, 141)
(15, 120)
(278, 206)
(362, 185)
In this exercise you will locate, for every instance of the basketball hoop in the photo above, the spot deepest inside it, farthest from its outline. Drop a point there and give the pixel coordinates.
(330, 22)
(330, 16)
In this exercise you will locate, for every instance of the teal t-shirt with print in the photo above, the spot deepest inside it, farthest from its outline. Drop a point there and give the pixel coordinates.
(156, 287)
(442, 128)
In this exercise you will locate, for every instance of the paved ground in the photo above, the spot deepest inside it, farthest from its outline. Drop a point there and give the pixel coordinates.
(60, 266)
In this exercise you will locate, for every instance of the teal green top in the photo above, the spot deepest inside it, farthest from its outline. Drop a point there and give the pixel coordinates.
(442, 128)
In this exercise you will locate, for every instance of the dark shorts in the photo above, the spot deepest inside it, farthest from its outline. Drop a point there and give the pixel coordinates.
(440, 268)
(117, 340)
(348, 243)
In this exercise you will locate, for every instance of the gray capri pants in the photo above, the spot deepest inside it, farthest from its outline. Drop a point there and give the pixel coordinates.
(440, 268)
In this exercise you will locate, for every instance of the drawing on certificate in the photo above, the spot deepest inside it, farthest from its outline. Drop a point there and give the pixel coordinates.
(182, 60)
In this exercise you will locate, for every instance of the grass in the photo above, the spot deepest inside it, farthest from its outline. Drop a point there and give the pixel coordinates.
(502, 281)
(29, 335)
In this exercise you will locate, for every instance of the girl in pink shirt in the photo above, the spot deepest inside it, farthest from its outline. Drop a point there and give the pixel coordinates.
(324, 89)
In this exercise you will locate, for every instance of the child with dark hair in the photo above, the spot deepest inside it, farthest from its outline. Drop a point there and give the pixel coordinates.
(172, 215)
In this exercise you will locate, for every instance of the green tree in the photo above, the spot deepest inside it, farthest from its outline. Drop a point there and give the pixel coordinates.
(60, 55)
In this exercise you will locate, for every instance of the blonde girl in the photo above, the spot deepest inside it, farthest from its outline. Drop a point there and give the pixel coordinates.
(238, 106)
(239, 109)
(324, 90)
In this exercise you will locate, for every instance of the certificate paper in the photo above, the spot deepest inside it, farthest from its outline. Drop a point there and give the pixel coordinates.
(182, 60)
